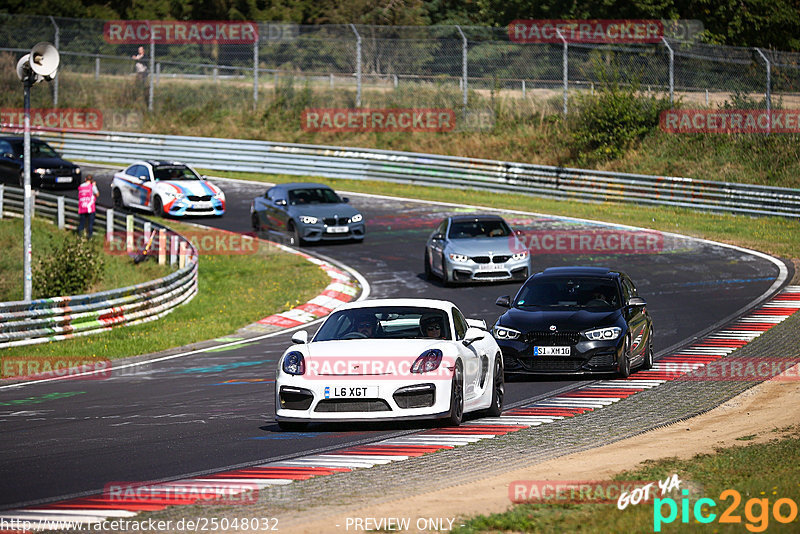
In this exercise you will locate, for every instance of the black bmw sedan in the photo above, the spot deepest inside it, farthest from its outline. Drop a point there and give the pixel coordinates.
(575, 320)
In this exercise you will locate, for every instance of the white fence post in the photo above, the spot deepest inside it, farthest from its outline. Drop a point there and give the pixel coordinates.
(162, 246)
(109, 225)
(129, 233)
(358, 66)
(60, 217)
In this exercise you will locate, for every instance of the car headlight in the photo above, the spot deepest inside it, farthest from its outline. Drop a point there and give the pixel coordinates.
(611, 332)
(459, 258)
(294, 363)
(501, 332)
(77, 170)
(427, 361)
(40, 172)
(520, 255)
(220, 196)
(307, 219)
(356, 218)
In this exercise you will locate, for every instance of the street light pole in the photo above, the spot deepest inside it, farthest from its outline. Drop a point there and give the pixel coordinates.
(27, 197)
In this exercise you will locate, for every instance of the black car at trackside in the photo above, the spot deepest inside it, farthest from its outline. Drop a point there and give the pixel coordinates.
(575, 320)
(48, 168)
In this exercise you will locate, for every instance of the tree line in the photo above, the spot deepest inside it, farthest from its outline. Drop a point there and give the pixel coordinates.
(765, 23)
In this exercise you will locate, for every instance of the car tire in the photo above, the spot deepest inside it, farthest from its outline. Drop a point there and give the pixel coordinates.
(294, 235)
(624, 367)
(292, 426)
(456, 414)
(158, 206)
(116, 200)
(254, 222)
(647, 361)
(498, 389)
(428, 271)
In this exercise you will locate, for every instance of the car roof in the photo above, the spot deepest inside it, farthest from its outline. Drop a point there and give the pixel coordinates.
(160, 163)
(475, 217)
(420, 303)
(301, 185)
(19, 139)
(591, 272)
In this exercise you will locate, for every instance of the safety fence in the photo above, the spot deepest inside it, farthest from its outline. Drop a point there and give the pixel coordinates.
(58, 318)
(384, 66)
(430, 169)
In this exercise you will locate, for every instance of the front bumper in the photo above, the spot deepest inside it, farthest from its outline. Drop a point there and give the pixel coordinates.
(586, 357)
(304, 400)
(488, 272)
(183, 206)
(323, 232)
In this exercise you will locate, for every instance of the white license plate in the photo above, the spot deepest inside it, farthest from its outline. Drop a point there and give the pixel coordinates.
(63, 179)
(489, 267)
(337, 229)
(551, 351)
(351, 392)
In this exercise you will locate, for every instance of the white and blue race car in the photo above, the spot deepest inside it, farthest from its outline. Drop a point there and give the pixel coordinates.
(166, 188)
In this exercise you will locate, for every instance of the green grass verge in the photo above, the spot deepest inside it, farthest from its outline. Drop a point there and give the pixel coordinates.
(118, 271)
(774, 235)
(233, 291)
(757, 471)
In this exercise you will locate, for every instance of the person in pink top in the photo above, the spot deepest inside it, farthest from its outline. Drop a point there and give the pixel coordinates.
(87, 198)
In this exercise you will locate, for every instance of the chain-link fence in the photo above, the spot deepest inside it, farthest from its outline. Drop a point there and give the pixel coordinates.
(293, 67)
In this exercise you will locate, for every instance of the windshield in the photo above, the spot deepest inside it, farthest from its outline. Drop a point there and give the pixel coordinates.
(479, 228)
(594, 294)
(317, 195)
(174, 172)
(386, 322)
(39, 149)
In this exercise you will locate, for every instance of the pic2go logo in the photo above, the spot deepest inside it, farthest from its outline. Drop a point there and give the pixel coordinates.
(756, 511)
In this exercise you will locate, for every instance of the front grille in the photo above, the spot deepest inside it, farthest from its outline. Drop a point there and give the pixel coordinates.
(501, 259)
(491, 274)
(602, 360)
(335, 221)
(552, 339)
(480, 259)
(493, 259)
(59, 172)
(415, 396)
(296, 398)
(539, 363)
(352, 405)
(198, 198)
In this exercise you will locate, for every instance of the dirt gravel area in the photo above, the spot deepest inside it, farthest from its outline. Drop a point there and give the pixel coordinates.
(759, 411)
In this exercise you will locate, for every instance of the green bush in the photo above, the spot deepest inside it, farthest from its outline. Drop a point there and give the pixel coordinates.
(70, 267)
(613, 120)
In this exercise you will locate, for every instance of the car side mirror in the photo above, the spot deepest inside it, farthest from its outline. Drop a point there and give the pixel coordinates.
(504, 301)
(300, 337)
(437, 237)
(280, 202)
(345, 200)
(637, 301)
(473, 334)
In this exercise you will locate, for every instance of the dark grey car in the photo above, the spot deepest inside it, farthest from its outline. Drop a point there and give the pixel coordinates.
(48, 168)
(307, 212)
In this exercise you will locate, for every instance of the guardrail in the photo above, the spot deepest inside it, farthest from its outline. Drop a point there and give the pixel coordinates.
(57, 318)
(431, 169)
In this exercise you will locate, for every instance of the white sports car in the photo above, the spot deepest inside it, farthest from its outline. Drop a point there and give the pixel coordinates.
(391, 359)
(166, 188)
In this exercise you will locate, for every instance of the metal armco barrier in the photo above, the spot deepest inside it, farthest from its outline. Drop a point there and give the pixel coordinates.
(57, 318)
(430, 169)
